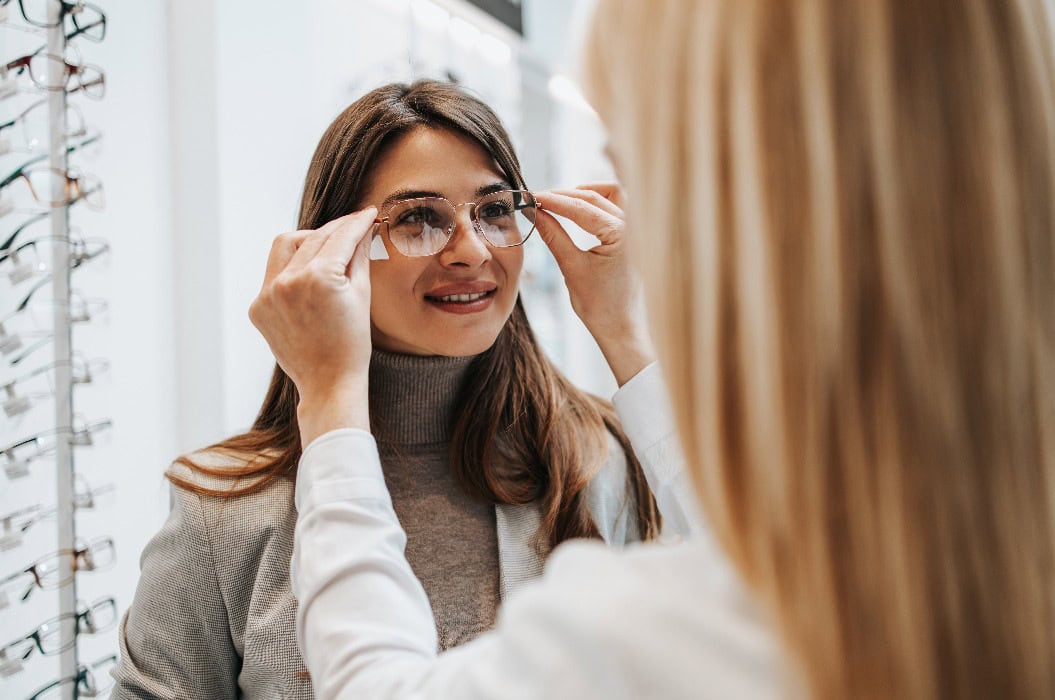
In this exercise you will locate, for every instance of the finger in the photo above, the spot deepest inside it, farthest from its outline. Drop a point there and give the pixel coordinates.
(359, 266)
(345, 238)
(612, 191)
(282, 250)
(308, 249)
(556, 239)
(586, 215)
(593, 197)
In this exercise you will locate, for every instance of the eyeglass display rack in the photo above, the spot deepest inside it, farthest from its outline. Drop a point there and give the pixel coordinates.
(62, 262)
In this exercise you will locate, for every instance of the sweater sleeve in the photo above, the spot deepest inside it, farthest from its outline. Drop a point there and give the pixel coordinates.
(175, 638)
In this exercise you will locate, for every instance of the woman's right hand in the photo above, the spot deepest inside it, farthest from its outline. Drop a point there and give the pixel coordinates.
(314, 312)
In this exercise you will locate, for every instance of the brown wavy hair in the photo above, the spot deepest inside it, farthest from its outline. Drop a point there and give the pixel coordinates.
(523, 433)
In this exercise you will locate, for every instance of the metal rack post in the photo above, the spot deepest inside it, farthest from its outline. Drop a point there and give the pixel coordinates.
(64, 487)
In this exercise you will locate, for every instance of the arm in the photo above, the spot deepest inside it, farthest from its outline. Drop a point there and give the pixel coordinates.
(645, 414)
(175, 638)
(348, 546)
(655, 621)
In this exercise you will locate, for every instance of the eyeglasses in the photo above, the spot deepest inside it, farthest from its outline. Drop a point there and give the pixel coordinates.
(82, 371)
(422, 226)
(77, 188)
(17, 523)
(17, 345)
(19, 455)
(47, 639)
(90, 682)
(43, 282)
(52, 187)
(30, 129)
(84, 15)
(47, 572)
(53, 73)
(25, 261)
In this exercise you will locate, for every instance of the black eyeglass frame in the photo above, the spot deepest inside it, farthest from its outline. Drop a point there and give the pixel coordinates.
(83, 626)
(86, 674)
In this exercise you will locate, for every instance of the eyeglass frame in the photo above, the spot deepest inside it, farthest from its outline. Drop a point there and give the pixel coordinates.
(22, 64)
(75, 176)
(81, 130)
(76, 437)
(35, 637)
(84, 671)
(79, 554)
(65, 9)
(17, 523)
(473, 218)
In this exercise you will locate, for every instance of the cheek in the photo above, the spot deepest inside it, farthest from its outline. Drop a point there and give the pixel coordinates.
(392, 285)
(511, 261)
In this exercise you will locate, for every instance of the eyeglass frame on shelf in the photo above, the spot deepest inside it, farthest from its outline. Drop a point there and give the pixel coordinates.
(85, 673)
(78, 437)
(24, 64)
(36, 638)
(35, 576)
(12, 342)
(68, 174)
(65, 8)
(80, 129)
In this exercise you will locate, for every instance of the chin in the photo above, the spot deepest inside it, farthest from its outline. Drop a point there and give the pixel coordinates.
(464, 347)
(448, 342)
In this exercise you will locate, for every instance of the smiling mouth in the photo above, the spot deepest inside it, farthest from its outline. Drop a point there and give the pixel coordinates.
(463, 298)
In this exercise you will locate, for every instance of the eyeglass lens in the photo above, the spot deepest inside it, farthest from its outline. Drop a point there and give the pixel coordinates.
(422, 226)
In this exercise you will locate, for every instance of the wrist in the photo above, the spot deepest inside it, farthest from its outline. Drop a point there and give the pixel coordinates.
(627, 355)
(343, 405)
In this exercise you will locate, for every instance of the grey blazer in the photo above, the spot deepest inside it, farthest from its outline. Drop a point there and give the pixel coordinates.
(213, 613)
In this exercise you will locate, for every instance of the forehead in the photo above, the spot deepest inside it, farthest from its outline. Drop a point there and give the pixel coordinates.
(435, 160)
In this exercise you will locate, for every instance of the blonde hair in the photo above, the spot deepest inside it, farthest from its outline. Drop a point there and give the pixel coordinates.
(845, 215)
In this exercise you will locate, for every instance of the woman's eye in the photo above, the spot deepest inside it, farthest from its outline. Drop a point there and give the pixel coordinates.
(495, 210)
(422, 215)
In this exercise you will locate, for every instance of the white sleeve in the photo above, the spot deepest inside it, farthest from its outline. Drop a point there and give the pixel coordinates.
(599, 624)
(644, 412)
(364, 624)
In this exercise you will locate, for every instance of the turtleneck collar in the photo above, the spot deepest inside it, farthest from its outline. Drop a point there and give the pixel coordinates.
(413, 398)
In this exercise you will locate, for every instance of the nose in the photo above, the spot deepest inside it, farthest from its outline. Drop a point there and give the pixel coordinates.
(465, 248)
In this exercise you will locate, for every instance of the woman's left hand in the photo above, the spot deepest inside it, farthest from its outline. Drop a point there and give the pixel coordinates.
(605, 293)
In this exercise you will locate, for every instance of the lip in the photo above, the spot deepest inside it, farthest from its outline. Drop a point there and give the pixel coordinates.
(447, 290)
(462, 307)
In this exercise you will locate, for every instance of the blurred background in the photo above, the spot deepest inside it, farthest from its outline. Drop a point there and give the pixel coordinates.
(211, 112)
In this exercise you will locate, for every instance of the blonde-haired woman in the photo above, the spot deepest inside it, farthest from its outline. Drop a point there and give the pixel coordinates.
(844, 211)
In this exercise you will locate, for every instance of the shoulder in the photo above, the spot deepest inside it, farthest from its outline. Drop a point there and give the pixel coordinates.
(233, 521)
(673, 620)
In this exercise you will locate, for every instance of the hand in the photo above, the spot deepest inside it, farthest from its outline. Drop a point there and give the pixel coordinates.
(605, 293)
(314, 312)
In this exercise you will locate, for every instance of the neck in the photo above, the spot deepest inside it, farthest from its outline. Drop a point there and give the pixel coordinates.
(413, 398)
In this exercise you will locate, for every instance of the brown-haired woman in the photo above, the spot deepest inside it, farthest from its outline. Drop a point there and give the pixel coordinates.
(491, 455)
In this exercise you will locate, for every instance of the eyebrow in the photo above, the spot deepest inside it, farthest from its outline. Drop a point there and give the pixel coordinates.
(400, 195)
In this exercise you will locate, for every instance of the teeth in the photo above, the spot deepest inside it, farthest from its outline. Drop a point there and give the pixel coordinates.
(462, 297)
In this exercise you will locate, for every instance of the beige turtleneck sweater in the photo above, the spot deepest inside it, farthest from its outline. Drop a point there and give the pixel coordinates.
(452, 544)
